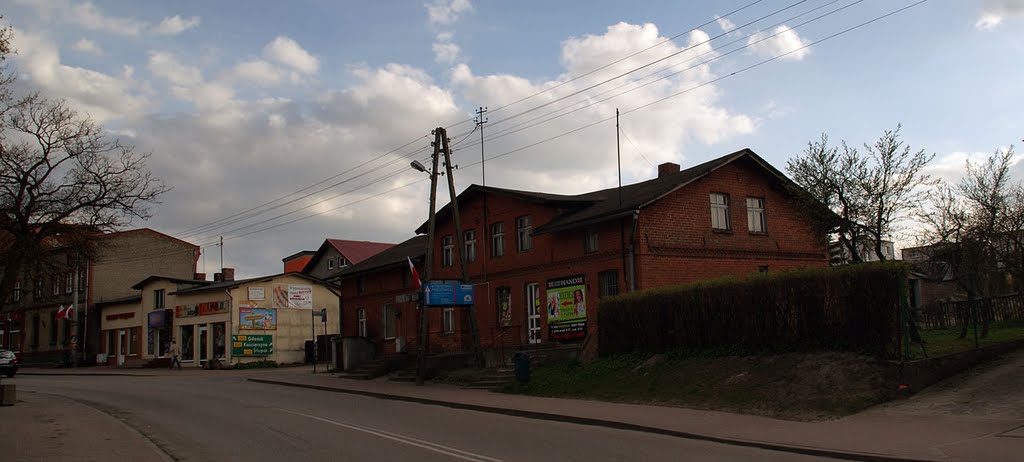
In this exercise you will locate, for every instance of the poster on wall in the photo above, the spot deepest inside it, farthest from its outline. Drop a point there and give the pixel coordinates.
(293, 296)
(567, 308)
(257, 293)
(257, 318)
(252, 345)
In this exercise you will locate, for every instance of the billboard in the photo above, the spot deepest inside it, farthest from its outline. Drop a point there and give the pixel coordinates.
(252, 345)
(293, 296)
(257, 318)
(567, 308)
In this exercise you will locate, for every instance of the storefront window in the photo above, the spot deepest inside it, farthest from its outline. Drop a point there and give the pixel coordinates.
(219, 340)
(186, 343)
(164, 340)
(133, 341)
(151, 335)
(111, 343)
(15, 344)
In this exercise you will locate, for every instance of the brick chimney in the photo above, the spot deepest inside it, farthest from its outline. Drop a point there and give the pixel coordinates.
(228, 274)
(667, 168)
(199, 276)
(218, 277)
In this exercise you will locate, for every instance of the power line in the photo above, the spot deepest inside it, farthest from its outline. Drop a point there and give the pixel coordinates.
(634, 145)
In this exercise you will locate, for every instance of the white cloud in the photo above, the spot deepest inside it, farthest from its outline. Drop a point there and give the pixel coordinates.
(174, 25)
(257, 71)
(288, 52)
(445, 51)
(724, 23)
(781, 40)
(89, 16)
(994, 12)
(87, 46)
(165, 66)
(444, 12)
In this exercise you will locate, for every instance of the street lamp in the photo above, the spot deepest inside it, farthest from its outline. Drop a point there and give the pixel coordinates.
(418, 166)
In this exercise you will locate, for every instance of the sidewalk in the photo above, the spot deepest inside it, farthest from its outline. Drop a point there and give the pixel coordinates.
(880, 434)
(43, 427)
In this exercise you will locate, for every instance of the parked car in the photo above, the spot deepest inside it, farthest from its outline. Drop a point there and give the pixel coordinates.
(8, 363)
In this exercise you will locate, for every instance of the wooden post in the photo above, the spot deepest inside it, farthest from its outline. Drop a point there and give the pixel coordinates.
(428, 264)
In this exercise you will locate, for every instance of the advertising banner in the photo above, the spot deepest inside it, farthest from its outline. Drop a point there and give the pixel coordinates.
(293, 296)
(567, 308)
(257, 293)
(252, 345)
(257, 318)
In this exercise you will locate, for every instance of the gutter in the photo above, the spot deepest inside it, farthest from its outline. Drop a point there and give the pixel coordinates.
(632, 251)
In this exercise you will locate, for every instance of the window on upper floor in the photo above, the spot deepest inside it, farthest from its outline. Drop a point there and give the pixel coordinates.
(69, 282)
(360, 285)
(39, 287)
(497, 239)
(470, 243)
(81, 279)
(447, 251)
(158, 299)
(342, 262)
(524, 231)
(16, 294)
(330, 263)
(55, 283)
(755, 215)
(590, 241)
(720, 211)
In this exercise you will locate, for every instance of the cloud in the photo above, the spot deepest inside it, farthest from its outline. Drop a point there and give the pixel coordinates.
(781, 40)
(444, 12)
(724, 23)
(256, 71)
(288, 52)
(89, 16)
(994, 12)
(445, 51)
(87, 46)
(165, 66)
(174, 25)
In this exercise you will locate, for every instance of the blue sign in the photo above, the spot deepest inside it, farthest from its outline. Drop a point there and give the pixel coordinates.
(447, 294)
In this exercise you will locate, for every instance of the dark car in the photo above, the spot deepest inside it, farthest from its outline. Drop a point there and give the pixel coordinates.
(8, 363)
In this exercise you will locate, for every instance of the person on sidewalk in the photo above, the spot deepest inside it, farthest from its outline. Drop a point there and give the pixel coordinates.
(175, 354)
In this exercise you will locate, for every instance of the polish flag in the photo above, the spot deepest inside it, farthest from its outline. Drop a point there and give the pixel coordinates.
(415, 274)
(70, 312)
(60, 313)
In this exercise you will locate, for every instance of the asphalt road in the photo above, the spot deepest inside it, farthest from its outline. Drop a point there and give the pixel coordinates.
(225, 418)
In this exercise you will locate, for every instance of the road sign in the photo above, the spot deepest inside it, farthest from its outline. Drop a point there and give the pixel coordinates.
(252, 345)
(447, 293)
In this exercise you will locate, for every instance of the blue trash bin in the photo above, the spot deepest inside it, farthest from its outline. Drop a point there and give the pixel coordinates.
(521, 363)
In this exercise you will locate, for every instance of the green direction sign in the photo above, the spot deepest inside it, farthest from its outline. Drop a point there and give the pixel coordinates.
(252, 345)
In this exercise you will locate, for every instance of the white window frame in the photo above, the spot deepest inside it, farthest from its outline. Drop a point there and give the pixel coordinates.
(524, 239)
(388, 320)
(497, 239)
(447, 251)
(159, 299)
(17, 291)
(69, 279)
(756, 222)
(56, 284)
(361, 321)
(448, 320)
(590, 243)
(470, 243)
(330, 263)
(720, 211)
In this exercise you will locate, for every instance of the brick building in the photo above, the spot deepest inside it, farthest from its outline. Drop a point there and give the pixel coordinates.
(27, 320)
(337, 254)
(540, 262)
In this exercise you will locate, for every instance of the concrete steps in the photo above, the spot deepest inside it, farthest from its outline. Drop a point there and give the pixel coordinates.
(367, 370)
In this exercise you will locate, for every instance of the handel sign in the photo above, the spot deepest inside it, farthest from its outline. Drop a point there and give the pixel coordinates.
(567, 308)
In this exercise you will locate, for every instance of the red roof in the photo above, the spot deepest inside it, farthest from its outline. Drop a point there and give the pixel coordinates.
(357, 251)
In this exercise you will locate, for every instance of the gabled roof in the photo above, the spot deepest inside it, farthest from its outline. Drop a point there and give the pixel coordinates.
(232, 284)
(414, 248)
(139, 285)
(353, 251)
(598, 206)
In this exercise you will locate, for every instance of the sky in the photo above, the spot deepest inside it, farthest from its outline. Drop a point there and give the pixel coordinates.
(280, 124)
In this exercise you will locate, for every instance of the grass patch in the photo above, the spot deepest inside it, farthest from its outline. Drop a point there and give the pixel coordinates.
(265, 364)
(940, 342)
(800, 386)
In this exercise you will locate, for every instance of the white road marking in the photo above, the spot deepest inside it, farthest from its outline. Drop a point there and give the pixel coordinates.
(430, 446)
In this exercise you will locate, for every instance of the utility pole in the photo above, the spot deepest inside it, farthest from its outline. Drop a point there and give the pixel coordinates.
(485, 235)
(460, 239)
(74, 314)
(421, 356)
(221, 245)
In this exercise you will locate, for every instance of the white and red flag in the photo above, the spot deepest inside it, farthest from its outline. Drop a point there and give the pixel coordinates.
(415, 274)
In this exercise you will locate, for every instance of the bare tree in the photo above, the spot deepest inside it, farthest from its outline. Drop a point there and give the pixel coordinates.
(868, 196)
(62, 179)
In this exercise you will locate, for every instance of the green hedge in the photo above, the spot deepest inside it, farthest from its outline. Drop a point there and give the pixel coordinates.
(851, 308)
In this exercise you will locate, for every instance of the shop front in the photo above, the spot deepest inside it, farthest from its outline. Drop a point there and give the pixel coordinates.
(201, 329)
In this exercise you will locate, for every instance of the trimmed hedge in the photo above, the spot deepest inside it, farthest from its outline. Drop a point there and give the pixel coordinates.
(853, 308)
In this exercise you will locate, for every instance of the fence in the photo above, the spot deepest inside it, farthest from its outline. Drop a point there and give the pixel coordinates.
(952, 327)
(943, 315)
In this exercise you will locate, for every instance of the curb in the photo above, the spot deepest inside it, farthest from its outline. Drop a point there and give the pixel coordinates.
(87, 374)
(804, 450)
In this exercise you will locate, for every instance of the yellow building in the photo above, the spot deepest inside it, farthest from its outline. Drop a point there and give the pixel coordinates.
(264, 318)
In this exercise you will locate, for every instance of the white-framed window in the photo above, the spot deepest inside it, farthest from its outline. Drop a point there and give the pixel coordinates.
(361, 321)
(55, 284)
(158, 299)
(330, 263)
(470, 243)
(16, 295)
(389, 320)
(39, 287)
(497, 239)
(69, 281)
(342, 262)
(720, 211)
(448, 320)
(524, 230)
(447, 251)
(755, 215)
(590, 241)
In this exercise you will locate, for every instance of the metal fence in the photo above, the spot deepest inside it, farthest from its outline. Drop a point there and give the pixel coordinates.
(945, 315)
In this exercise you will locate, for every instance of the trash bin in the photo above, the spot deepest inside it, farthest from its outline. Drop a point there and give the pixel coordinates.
(521, 366)
(309, 352)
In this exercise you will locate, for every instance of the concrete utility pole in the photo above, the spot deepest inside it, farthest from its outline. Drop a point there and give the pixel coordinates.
(421, 356)
(485, 234)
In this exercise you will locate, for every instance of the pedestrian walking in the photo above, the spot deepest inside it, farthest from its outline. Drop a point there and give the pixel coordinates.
(175, 354)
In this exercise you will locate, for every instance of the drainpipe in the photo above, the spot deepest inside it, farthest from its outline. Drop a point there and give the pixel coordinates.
(632, 252)
(230, 329)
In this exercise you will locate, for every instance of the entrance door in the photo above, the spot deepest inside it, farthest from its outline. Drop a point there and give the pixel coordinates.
(122, 345)
(533, 312)
(203, 348)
